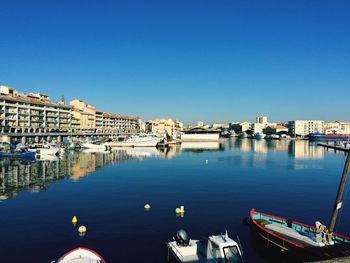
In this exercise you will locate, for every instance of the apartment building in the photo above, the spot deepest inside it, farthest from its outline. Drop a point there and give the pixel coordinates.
(114, 123)
(31, 113)
(165, 126)
(305, 127)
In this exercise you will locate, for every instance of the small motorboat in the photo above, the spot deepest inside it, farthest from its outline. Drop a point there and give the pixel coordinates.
(81, 255)
(95, 146)
(6, 150)
(217, 248)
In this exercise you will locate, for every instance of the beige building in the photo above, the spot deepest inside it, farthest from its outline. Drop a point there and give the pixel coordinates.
(337, 127)
(165, 126)
(305, 127)
(82, 121)
(114, 123)
(85, 113)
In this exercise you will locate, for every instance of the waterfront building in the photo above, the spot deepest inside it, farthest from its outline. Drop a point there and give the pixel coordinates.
(99, 121)
(305, 127)
(31, 113)
(115, 123)
(82, 121)
(336, 127)
(165, 126)
(261, 120)
(220, 126)
(275, 129)
(85, 113)
(258, 127)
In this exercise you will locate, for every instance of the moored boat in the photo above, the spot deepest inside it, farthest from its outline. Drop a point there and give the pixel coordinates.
(217, 248)
(81, 255)
(96, 146)
(321, 136)
(142, 140)
(259, 135)
(310, 242)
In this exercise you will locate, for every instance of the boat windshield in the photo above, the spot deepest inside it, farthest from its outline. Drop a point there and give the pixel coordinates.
(232, 255)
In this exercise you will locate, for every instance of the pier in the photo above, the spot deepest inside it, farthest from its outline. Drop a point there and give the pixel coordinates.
(335, 147)
(60, 136)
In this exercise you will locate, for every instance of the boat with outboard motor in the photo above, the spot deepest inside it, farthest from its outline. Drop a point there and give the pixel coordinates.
(217, 248)
(81, 255)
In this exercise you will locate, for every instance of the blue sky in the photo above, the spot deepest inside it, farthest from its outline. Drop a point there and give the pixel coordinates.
(215, 61)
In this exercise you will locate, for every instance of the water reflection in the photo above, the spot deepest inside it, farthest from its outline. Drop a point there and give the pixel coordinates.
(18, 175)
(298, 149)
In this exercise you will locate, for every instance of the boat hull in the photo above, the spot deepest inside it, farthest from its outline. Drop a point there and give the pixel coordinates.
(81, 254)
(296, 247)
(94, 146)
(24, 155)
(147, 142)
(335, 137)
(45, 151)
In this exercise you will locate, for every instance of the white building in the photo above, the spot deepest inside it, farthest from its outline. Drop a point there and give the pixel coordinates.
(305, 127)
(261, 120)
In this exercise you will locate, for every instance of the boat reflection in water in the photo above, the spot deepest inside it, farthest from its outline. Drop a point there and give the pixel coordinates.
(18, 175)
(202, 146)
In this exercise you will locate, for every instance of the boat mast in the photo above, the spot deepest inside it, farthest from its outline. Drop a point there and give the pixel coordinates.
(338, 202)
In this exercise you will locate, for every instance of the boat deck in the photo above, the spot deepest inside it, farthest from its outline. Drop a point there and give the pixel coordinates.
(289, 234)
(309, 251)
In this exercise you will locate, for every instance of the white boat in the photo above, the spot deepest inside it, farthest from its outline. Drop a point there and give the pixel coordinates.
(259, 135)
(218, 248)
(200, 135)
(242, 135)
(137, 141)
(81, 255)
(89, 145)
(45, 151)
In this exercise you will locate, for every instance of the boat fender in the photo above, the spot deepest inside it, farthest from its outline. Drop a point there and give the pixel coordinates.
(181, 238)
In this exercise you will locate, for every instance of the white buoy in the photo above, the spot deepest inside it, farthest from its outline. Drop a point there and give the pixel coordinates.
(147, 207)
(82, 229)
(206, 161)
(182, 209)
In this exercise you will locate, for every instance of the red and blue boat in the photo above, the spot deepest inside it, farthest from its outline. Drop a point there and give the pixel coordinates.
(298, 238)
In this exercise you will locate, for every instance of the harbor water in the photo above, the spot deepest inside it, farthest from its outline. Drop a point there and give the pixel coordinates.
(217, 183)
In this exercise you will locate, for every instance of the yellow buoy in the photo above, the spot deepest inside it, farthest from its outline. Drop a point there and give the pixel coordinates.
(82, 229)
(177, 210)
(74, 220)
(147, 207)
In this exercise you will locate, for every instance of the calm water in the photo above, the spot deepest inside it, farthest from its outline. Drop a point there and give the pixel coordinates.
(107, 192)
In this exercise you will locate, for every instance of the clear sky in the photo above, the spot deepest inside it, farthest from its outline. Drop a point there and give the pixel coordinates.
(215, 61)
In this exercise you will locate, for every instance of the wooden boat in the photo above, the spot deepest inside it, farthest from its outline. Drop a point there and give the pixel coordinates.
(289, 235)
(81, 255)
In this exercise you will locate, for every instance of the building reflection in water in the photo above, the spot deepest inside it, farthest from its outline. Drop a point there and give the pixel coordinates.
(18, 175)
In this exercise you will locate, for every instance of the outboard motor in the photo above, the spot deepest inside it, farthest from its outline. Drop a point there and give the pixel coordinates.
(182, 238)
